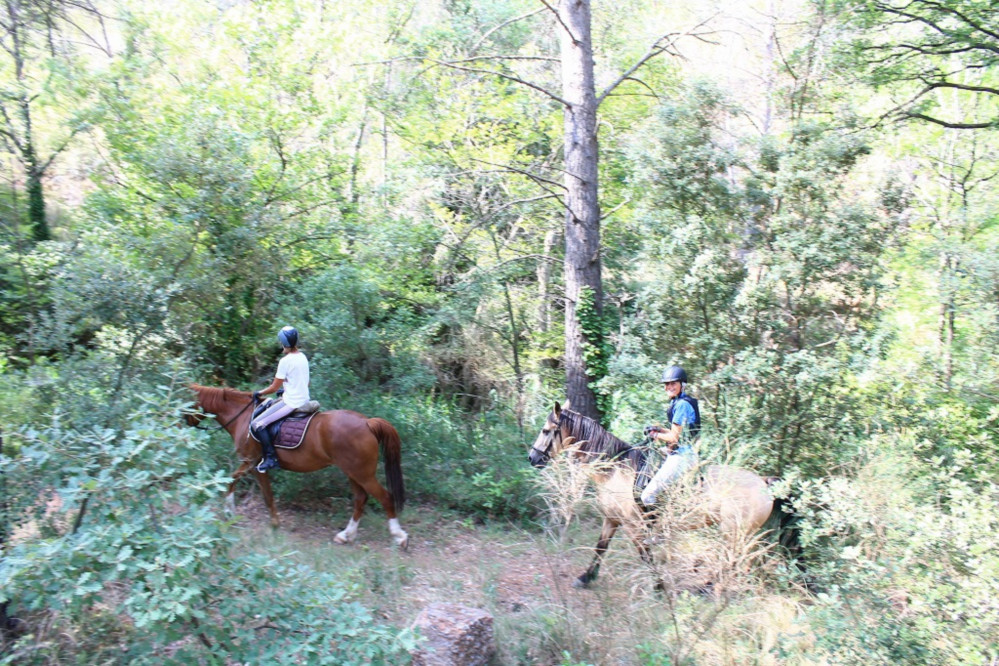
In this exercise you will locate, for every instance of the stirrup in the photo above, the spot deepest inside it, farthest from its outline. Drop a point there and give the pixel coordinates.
(266, 464)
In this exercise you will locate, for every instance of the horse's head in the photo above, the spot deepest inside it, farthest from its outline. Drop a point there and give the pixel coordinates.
(549, 441)
(193, 413)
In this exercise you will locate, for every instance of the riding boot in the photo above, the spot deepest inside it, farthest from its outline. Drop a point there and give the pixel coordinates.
(270, 456)
(651, 515)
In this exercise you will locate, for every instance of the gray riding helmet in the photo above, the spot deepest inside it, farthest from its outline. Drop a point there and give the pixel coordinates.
(288, 337)
(674, 373)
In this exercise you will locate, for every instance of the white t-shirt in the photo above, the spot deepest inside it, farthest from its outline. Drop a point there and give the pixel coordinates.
(293, 368)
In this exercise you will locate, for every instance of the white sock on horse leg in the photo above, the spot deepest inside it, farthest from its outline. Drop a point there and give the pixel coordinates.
(348, 533)
(399, 534)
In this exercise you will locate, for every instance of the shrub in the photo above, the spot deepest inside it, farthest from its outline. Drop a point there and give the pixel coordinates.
(119, 556)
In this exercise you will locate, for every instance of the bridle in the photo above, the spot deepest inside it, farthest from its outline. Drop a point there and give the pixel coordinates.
(546, 455)
(222, 426)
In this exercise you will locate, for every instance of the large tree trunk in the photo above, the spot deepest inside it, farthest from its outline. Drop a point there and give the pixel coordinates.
(14, 26)
(36, 203)
(582, 222)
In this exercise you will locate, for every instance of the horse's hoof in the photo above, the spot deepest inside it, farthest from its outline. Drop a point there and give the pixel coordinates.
(341, 538)
(580, 584)
(403, 543)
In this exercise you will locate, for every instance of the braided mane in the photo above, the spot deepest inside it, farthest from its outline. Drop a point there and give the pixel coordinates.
(597, 442)
(213, 398)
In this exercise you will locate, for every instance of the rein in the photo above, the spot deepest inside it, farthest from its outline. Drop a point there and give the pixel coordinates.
(223, 426)
(602, 448)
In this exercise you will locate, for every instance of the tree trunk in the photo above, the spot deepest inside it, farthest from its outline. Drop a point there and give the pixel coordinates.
(544, 273)
(26, 146)
(4, 530)
(582, 222)
(946, 324)
(36, 204)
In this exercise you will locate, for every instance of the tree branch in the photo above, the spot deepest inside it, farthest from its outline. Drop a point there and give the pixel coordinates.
(575, 40)
(476, 70)
(656, 49)
(951, 125)
(501, 26)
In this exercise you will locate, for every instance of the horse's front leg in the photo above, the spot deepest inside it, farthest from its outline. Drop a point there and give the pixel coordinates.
(607, 532)
(230, 501)
(265, 489)
(639, 534)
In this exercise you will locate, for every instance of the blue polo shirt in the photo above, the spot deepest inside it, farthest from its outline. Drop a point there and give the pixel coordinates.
(683, 413)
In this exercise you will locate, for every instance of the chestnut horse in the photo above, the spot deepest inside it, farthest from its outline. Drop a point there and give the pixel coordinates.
(735, 499)
(340, 437)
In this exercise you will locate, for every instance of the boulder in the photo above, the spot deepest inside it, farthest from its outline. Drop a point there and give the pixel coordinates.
(455, 636)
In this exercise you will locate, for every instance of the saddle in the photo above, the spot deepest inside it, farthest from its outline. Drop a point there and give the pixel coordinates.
(652, 460)
(288, 432)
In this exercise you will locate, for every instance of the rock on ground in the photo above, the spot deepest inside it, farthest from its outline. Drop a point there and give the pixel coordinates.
(455, 636)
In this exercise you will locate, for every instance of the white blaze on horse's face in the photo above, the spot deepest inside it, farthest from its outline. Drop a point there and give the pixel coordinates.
(541, 451)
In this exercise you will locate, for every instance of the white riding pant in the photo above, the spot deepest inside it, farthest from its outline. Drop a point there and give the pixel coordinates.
(276, 411)
(676, 465)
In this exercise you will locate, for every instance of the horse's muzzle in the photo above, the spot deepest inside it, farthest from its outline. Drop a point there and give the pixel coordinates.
(537, 459)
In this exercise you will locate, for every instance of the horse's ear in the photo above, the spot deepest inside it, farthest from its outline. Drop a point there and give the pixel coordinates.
(557, 410)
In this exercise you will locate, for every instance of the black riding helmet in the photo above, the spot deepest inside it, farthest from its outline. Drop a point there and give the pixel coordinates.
(674, 373)
(288, 337)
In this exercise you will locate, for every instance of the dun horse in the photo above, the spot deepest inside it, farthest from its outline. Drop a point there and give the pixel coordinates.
(735, 499)
(343, 438)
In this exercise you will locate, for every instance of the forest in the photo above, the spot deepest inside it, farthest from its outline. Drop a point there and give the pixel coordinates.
(471, 210)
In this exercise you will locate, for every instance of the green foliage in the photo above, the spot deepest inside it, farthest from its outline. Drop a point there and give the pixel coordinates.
(375, 176)
(121, 543)
(596, 349)
(474, 464)
(768, 279)
(925, 53)
(902, 554)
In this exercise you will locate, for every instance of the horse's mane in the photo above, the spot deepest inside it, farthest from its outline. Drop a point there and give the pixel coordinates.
(213, 398)
(597, 442)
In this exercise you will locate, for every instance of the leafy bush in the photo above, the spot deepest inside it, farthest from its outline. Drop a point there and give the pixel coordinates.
(118, 555)
(905, 556)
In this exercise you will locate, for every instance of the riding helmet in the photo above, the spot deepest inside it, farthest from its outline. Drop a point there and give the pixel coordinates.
(674, 373)
(288, 337)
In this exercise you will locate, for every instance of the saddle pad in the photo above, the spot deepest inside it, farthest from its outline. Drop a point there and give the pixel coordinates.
(293, 432)
(288, 433)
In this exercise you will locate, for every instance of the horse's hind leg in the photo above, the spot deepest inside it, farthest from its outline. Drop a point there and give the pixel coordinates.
(385, 499)
(638, 535)
(349, 533)
(606, 534)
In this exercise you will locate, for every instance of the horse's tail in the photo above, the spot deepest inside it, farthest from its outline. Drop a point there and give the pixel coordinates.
(391, 445)
(785, 528)
(784, 525)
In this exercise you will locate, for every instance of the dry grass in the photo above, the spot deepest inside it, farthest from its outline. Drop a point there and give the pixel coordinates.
(718, 605)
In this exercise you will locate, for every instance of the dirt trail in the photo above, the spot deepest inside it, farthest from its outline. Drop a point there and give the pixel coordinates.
(502, 568)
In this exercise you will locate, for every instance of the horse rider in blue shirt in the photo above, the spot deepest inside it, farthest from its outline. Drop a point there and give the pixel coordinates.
(684, 420)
